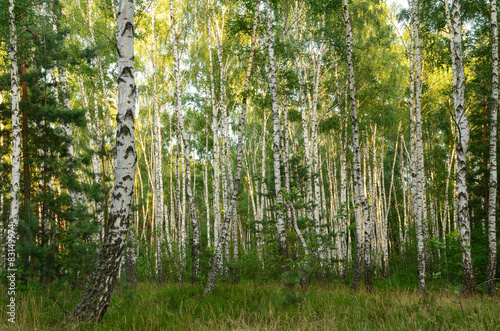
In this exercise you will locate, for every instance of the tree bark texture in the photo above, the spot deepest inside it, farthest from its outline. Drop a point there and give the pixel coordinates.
(361, 202)
(97, 295)
(280, 225)
(417, 145)
(492, 199)
(15, 179)
(463, 129)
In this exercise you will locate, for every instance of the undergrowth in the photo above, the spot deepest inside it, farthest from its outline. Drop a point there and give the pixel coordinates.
(262, 306)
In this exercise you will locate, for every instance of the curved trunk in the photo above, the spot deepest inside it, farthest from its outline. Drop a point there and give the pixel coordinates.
(97, 295)
(469, 280)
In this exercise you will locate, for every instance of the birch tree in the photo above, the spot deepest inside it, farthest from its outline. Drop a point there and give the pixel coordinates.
(361, 203)
(416, 141)
(97, 295)
(186, 144)
(158, 180)
(273, 84)
(492, 207)
(217, 264)
(15, 179)
(463, 129)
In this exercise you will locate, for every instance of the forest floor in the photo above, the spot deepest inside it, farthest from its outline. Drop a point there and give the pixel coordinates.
(262, 306)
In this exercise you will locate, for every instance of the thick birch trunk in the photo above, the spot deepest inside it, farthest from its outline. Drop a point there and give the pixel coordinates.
(361, 201)
(469, 280)
(97, 294)
(492, 206)
(280, 225)
(15, 179)
(239, 159)
(187, 164)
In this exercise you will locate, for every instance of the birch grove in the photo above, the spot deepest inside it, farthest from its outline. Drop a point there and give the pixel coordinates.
(277, 141)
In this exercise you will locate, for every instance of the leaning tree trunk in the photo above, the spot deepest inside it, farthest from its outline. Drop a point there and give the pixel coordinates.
(492, 207)
(180, 118)
(217, 264)
(15, 179)
(469, 280)
(97, 295)
(361, 203)
(276, 135)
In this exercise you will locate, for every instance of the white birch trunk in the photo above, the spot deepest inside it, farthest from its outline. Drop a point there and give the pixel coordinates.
(276, 134)
(315, 156)
(207, 201)
(180, 118)
(469, 280)
(492, 199)
(97, 294)
(216, 153)
(343, 210)
(417, 147)
(239, 159)
(361, 202)
(15, 179)
(305, 133)
(157, 165)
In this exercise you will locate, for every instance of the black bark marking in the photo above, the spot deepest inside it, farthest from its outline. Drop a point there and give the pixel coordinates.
(125, 130)
(128, 25)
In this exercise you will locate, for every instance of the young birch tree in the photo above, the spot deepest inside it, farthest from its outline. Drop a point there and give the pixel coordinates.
(361, 203)
(217, 264)
(157, 164)
(185, 140)
(416, 142)
(276, 133)
(492, 207)
(97, 295)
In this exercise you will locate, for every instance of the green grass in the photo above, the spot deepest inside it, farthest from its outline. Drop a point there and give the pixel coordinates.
(269, 306)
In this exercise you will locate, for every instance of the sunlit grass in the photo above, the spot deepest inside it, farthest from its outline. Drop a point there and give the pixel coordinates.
(268, 306)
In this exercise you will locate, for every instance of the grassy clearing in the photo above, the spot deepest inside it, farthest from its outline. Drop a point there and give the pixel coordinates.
(253, 306)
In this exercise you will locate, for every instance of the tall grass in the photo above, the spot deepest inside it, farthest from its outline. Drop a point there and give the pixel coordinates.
(267, 306)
